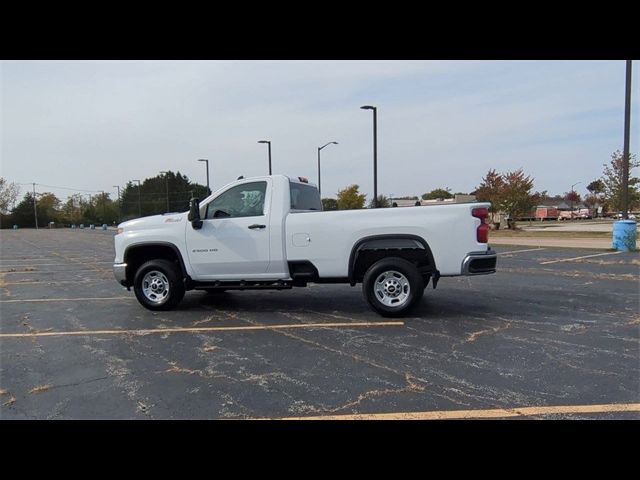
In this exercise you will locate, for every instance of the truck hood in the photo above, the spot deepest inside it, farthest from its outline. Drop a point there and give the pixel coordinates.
(155, 221)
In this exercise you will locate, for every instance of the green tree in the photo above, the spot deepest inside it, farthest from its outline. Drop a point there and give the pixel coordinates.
(438, 194)
(383, 202)
(517, 198)
(349, 198)
(151, 199)
(329, 204)
(47, 206)
(612, 177)
(596, 187)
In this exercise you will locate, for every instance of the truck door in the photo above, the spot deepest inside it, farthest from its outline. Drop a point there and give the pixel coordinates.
(233, 242)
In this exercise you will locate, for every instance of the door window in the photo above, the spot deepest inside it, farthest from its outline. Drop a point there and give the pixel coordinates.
(246, 200)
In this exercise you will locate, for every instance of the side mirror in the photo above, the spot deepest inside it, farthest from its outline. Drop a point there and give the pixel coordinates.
(194, 214)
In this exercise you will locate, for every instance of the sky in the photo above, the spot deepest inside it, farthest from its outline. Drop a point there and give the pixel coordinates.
(90, 125)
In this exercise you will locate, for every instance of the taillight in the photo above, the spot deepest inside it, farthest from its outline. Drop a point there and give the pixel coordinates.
(482, 232)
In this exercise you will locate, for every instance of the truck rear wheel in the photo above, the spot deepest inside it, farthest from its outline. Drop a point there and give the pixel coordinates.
(392, 286)
(158, 285)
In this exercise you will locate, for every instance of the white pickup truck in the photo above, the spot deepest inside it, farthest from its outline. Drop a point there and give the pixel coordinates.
(271, 232)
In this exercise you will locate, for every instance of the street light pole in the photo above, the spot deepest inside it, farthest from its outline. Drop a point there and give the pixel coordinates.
(268, 142)
(166, 177)
(139, 198)
(119, 207)
(375, 152)
(104, 208)
(205, 160)
(625, 160)
(572, 198)
(35, 210)
(320, 148)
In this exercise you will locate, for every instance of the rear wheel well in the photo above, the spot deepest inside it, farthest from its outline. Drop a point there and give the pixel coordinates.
(408, 247)
(137, 255)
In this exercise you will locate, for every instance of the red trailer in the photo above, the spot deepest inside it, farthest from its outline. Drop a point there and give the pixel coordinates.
(543, 213)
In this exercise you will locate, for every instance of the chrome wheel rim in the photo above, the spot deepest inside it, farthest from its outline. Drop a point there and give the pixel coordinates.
(155, 287)
(392, 288)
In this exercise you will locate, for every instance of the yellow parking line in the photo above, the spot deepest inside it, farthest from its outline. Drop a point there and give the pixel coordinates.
(64, 299)
(522, 251)
(579, 258)
(488, 413)
(201, 329)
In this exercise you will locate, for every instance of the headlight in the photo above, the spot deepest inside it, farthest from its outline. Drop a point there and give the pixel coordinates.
(120, 230)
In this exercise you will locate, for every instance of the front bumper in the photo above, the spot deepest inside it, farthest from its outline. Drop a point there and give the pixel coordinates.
(480, 263)
(120, 272)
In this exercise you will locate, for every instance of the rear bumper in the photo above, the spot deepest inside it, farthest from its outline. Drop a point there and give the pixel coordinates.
(480, 263)
(120, 272)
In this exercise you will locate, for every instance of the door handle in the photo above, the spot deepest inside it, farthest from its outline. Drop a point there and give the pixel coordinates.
(255, 225)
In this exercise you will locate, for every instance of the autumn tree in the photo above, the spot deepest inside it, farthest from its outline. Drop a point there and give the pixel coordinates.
(491, 189)
(510, 193)
(350, 198)
(572, 196)
(438, 194)
(612, 179)
(8, 194)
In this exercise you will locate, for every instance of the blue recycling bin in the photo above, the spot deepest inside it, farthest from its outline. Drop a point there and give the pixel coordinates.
(624, 235)
(15, 227)
(92, 226)
(104, 226)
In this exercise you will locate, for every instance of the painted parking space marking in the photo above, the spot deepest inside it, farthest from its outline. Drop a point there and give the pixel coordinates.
(521, 251)
(49, 264)
(486, 413)
(148, 331)
(44, 300)
(579, 258)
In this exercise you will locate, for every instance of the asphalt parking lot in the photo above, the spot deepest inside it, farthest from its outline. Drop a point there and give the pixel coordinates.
(554, 334)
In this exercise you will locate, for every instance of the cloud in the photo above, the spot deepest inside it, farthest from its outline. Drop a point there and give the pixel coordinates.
(441, 123)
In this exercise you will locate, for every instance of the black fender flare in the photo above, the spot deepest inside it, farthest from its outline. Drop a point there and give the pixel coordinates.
(388, 241)
(170, 245)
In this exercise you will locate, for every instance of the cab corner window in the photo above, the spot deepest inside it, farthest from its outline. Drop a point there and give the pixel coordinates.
(246, 200)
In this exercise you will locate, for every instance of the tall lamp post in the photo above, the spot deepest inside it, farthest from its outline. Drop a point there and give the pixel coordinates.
(375, 152)
(320, 148)
(572, 198)
(268, 142)
(119, 207)
(166, 177)
(625, 153)
(139, 198)
(207, 161)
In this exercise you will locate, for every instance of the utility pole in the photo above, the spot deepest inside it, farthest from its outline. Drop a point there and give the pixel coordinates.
(119, 212)
(35, 210)
(627, 127)
(104, 208)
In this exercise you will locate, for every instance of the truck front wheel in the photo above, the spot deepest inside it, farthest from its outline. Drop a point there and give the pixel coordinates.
(392, 286)
(158, 285)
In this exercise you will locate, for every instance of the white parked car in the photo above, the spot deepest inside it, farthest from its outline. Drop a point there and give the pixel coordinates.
(271, 232)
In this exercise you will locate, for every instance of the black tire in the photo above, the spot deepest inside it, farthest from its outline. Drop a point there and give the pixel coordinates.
(395, 293)
(157, 274)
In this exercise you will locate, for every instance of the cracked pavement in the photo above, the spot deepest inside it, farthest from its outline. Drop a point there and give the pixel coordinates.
(534, 334)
